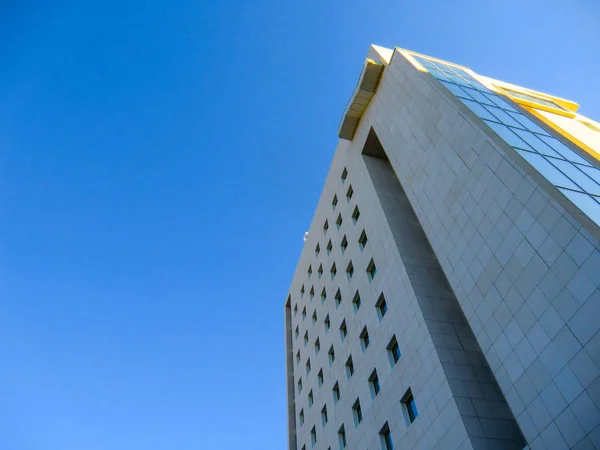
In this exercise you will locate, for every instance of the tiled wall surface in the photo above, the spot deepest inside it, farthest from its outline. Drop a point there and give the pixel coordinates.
(523, 271)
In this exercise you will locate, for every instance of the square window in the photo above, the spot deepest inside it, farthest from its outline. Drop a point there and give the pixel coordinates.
(386, 438)
(333, 271)
(309, 270)
(344, 175)
(331, 355)
(327, 323)
(356, 302)
(349, 193)
(394, 351)
(349, 367)
(336, 393)
(338, 298)
(338, 222)
(344, 244)
(311, 293)
(355, 214)
(301, 416)
(371, 270)
(317, 249)
(300, 385)
(334, 202)
(357, 413)
(362, 240)
(325, 227)
(323, 295)
(349, 270)
(343, 330)
(317, 346)
(320, 271)
(320, 378)
(409, 408)
(306, 338)
(324, 415)
(374, 384)
(381, 306)
(364, 339)
(342, 437)
(310, 399)
(329, 247)
(307, 366)
(304, 313)
(313, 436)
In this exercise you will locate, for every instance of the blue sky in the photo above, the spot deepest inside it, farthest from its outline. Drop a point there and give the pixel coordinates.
(159, 164)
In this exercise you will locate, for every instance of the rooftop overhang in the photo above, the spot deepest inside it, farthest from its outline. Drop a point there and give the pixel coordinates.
(361, 97)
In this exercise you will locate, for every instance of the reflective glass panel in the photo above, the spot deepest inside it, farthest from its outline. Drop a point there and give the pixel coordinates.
(456, 90)
(511, 138)
(584, 202)
(564, 150)
(586, 183)
(552, 174)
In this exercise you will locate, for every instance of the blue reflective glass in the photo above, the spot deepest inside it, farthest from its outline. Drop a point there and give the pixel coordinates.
(505, 133)
(477, 85)
(552, 174)
(592, 172)
(478, 96)
(501, 103)
(586, 203)
(527, 123)
(564, 150)
(586, 183)
(479, 110)
(456, 90)
(458, 80)
(504, 117)
(537, 144)
(437, 74)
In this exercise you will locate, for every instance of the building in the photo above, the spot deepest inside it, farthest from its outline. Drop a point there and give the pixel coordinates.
(447, 293)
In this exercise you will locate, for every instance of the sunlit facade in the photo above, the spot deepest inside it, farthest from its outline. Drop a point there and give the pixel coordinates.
(447, 295)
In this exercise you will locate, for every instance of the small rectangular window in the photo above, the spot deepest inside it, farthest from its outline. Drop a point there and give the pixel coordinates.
(297, 357)
(362, 240)
(307, 366)
(349, 193)
(349, 271)
(300, 385)
(313, 436)
(310, 399)
(342, 437)
(357, 413)
(355, 214)
(334, 202)
(317, 346)
(349, 367)
(311, 293)
(356, 302)
(320, 271)
(371, 270)
(338, 298)
(309, 270)
(409, 408)
(301, 416)
(297, 331)
(333, 271)
(364, 339)
(374, 384)
(329, 247)
(344, 244)
(314, 317)
(325, 227)
(394, 351)
(338, 222)
(295, 310)
(317, 249)
(381, 306)
(324, 415)
(386, 438)
(344, 175)
(306, 338)
(331, 355)
(343, 330)
(336, 393)
(323, 295)
(304, 313)
(327, 323)
(320, 378)
(302, 291)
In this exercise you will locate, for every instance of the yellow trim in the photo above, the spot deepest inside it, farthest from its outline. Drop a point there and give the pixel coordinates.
(562, 132)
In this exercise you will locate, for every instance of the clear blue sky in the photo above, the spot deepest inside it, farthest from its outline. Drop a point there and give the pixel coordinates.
(159, 164)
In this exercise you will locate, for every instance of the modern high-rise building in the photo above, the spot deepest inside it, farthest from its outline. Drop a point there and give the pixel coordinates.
(447, 293)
